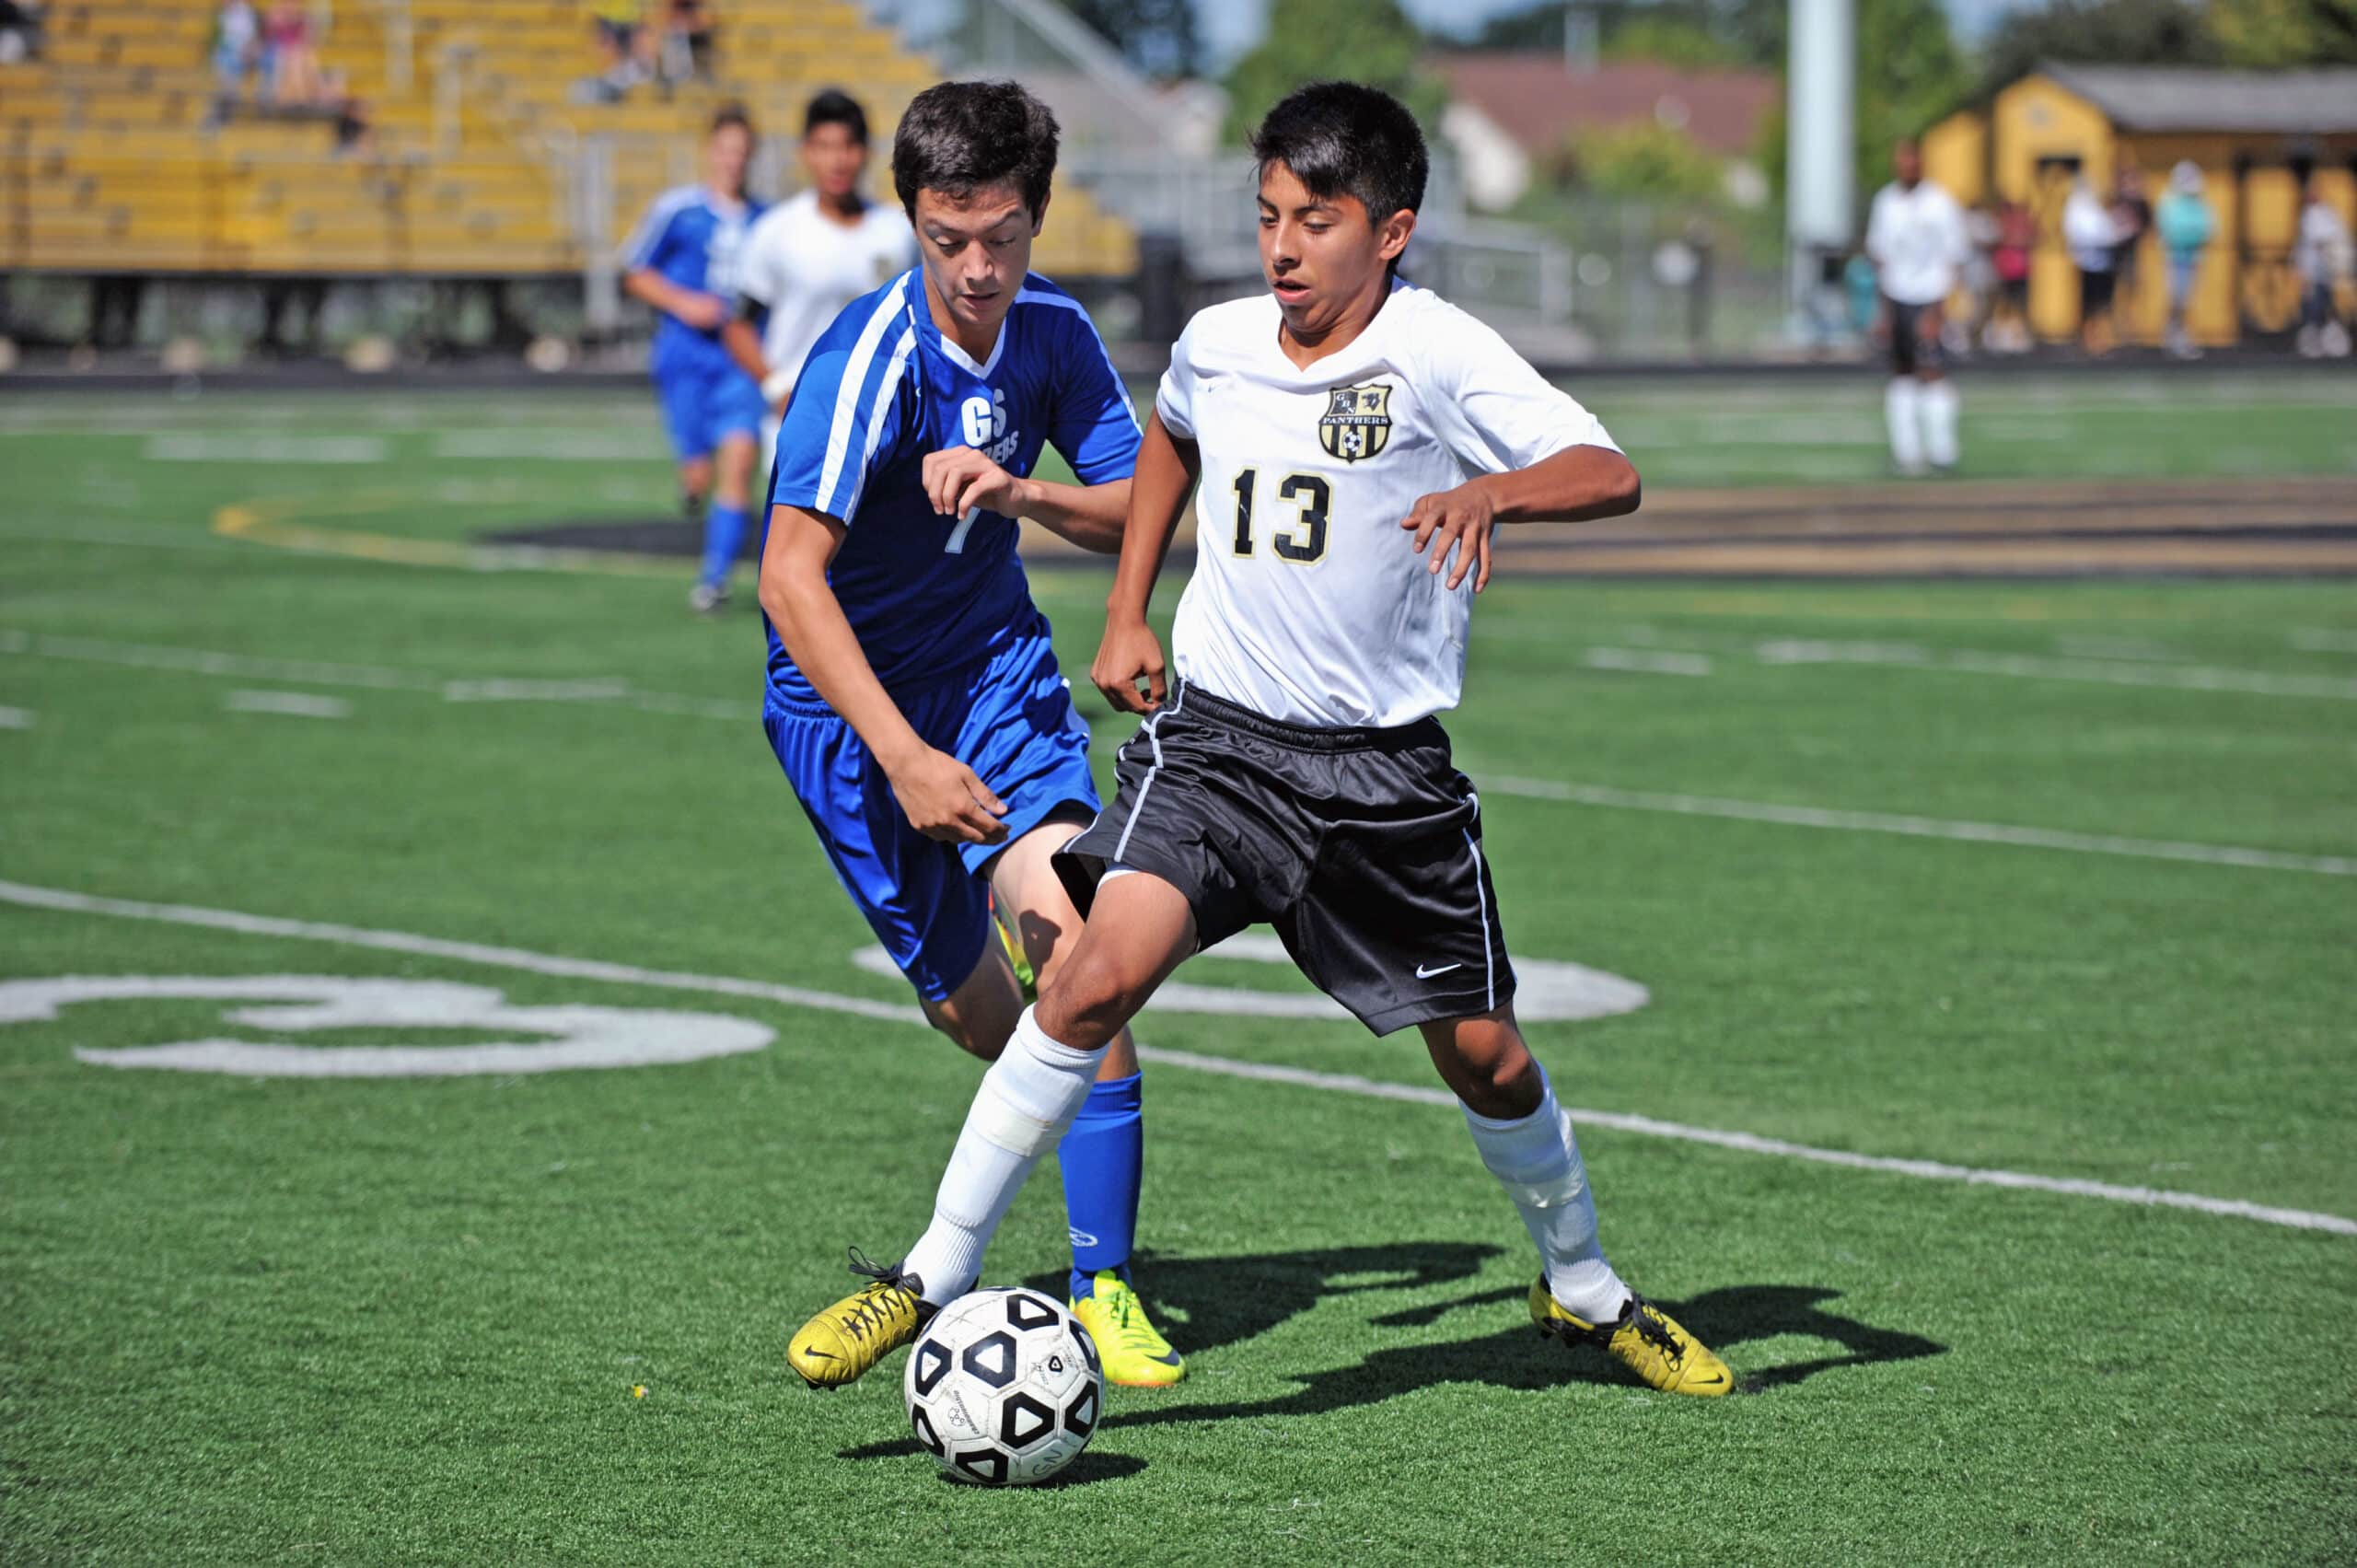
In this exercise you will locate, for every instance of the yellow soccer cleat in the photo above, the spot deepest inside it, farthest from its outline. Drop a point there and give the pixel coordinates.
(1645, 1340)
(1136, 1355)
(843, 1342)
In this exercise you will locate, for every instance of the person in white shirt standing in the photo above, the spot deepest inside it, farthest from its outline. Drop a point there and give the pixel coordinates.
(1916, 235)
(810, 256)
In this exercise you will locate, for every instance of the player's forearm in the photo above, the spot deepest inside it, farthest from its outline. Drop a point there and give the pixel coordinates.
(1166, 474)
(651, 287)
(1090, 516)
(744, 345)
(819, 640)
(1577, 485)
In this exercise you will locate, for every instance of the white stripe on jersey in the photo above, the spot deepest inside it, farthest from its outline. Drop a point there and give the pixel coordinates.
(863, 354)
(1065, 302)
(659, 214)
(884, 391)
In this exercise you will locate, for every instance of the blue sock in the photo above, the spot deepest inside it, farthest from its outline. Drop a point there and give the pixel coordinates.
(1102, 1157)
(723, 531)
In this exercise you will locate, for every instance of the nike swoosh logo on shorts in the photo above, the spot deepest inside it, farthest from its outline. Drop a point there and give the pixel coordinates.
(1424, 973)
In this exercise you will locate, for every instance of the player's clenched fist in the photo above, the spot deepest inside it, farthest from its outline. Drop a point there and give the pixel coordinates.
(946, 800)
(1129, 654)
(958, 478)
(1458, 519)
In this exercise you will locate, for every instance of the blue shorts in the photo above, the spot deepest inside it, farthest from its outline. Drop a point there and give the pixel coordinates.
(1013, 723)
(703, 404)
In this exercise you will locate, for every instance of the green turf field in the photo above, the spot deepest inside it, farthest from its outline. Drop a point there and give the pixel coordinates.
(2050, 879)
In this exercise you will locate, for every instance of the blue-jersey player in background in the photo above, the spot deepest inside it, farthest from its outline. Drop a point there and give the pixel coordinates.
(682, 261)
(913, 698)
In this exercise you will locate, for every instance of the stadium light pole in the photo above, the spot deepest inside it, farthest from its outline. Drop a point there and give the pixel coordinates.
(1820, 85)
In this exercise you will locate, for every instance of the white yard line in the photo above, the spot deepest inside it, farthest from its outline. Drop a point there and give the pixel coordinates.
(608, 690)
(288, 704)
(1647, 661)
(2182, 678)
(16, 718)
(65, 901)
(1917, 826)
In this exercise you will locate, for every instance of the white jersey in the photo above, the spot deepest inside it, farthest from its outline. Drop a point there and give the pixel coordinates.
(1918, 242)
(1309, 603)
(805, 267)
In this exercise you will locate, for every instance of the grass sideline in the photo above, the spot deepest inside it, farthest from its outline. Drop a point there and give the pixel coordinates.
(402, 1321)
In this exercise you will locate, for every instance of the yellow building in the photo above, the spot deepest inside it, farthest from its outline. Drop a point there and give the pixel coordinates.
(2255, 135)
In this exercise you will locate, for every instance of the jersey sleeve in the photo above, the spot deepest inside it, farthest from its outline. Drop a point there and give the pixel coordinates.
(1094, 425)
(1498, 414)
(1174, 401)
(849, 412)
(651, 243)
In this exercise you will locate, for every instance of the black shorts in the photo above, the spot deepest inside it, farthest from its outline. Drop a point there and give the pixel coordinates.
(1911, 352)
(1362, 847)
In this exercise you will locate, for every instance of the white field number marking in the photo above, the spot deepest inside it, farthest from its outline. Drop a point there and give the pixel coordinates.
(567, 1037)
(606, 972)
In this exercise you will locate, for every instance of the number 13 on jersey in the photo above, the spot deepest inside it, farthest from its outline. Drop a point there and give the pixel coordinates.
(1301, 541)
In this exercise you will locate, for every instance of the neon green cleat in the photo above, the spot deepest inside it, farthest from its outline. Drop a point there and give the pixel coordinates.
(1644, 1339)
(1024, 979)
(1135, 1354)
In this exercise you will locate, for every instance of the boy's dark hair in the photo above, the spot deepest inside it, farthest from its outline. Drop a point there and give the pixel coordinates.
(836, 107)
(728, 114)
(1347, 139)
(958, 137)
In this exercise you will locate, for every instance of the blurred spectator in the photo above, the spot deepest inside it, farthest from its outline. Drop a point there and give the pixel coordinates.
(625, 47)
(237, 54)
(293, 61)
(2187, 225)
(686, 51)
(1859, 294)
(20, 31)
(2008, 328)
(1980, 279)
(2132, 219)
(356, 133)
(2322, 256)
(2091, 235)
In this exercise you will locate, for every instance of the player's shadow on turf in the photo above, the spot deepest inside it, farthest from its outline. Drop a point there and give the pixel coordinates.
(1211, 1302)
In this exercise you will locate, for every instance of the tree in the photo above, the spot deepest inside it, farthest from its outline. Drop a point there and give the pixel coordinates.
(1158, 37)
(1644, 161)
(2273, 33)
(1909, 73)
(2108, 32)
(1680, 32)
(1316, 41)
(1671, 40)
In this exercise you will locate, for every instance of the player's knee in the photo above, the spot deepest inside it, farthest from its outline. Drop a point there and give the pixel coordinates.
(965, 1031)
(1086, 1005)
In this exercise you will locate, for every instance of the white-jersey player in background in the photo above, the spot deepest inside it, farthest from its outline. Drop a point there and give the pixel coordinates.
(1356, 440)
(813, 254)
(1916, 238)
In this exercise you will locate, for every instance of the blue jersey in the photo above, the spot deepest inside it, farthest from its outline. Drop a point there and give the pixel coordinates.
(692, 239)
(932, 598)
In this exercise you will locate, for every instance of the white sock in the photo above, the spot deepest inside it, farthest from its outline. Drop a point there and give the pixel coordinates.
(1940, 404)
(1899, 402)
(1027, 1100)
(1537, 1160)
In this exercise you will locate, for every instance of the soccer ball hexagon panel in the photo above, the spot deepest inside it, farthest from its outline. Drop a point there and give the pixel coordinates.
(1004, 1387)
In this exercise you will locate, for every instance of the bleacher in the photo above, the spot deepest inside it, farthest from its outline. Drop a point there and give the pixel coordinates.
(484, 161)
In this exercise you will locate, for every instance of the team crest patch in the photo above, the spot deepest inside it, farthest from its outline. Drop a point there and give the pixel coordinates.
(1357, 422)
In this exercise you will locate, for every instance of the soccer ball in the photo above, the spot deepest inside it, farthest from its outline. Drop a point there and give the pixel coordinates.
(1004, 1387)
